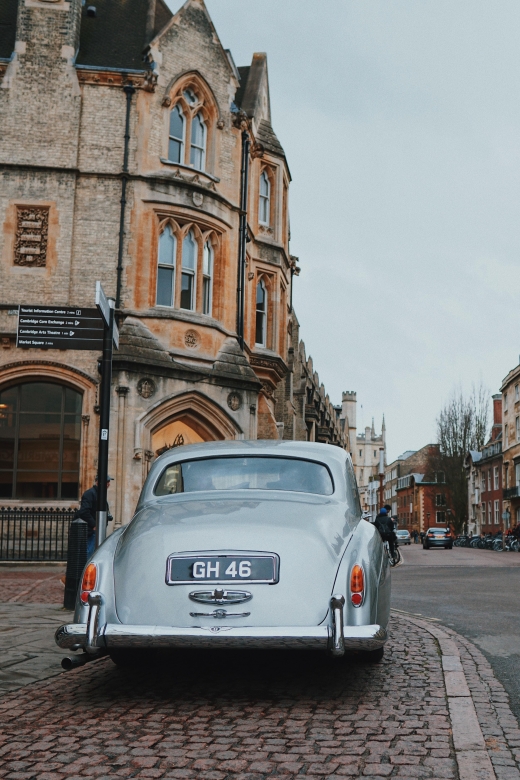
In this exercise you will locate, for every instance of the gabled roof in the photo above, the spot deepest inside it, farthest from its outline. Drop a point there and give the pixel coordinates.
(117, 36)
(8, 12)
(194, 13)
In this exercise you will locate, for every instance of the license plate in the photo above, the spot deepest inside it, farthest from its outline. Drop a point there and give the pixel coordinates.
(187, 569)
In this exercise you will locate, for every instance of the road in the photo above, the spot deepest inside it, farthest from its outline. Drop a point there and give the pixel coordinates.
(475, 592)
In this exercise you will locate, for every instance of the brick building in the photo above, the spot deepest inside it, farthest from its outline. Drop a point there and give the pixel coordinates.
(421, 495)
(511, 444)
(120, 160)
(485, 480)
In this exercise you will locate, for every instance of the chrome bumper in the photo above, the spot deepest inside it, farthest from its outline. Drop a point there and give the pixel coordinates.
(113, 635)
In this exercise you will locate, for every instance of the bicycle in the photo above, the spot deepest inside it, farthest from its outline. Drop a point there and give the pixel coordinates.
(395, 559)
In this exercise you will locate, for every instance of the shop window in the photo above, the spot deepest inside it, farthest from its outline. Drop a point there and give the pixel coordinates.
(40, 430)
(261, 314)
(166, 268)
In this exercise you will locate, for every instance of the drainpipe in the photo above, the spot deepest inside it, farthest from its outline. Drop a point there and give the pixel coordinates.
(129, 90)
(242, 241)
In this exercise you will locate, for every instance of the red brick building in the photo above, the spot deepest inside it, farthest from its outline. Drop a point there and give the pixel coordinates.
(422, 502)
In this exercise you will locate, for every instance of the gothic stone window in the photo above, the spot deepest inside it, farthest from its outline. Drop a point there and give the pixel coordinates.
(264, 203)
(32, 227)
(183, 260)
(40, 426)
(261, 314)
(188, 129)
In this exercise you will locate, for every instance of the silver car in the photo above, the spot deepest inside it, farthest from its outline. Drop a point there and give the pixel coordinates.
(242, 544)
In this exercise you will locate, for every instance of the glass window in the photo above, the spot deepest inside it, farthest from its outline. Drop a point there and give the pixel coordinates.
(189, 266)
(506, 435)
(496, 478)
(176, 139)
(40, 431)
(264, 208)
(207, 277)
(440, 517)
(517, 392)
(517, 474)
(497, 512)
(517, 428)
(490, 519)
(261, 314)
(198, 142)
(245, 473)
(166, 269)
(505, 402)
(489, 479)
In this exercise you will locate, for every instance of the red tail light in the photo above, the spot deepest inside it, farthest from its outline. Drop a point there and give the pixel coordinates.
(88, 582)
(357, 585)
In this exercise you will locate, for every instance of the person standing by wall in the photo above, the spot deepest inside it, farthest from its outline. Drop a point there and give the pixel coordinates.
(87, 512)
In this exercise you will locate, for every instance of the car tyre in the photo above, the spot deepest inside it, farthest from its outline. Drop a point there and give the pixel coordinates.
(374, 656)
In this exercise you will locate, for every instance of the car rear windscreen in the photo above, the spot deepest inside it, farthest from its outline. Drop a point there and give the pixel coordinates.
(245, 473)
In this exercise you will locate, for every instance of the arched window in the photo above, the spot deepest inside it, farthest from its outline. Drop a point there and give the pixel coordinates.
(198, 142)
(177, 131)
(264, 203)
(189, 267)
(207, 277)
(40, 431)
(261, 314)
(166, 269)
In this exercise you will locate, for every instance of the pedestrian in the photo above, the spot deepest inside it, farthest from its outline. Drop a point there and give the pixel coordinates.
(422, 537)
(385, 526)
(415, 536)
(87, 512)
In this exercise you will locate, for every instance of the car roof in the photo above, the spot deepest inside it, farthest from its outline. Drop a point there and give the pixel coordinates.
(325, 453)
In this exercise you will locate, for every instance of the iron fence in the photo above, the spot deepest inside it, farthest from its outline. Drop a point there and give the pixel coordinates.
(34, 533)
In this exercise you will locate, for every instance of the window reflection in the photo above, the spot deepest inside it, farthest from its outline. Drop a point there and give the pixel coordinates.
(40, 431)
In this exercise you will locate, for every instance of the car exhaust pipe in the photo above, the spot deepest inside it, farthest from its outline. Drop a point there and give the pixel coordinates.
(71, 661)
(337, 603)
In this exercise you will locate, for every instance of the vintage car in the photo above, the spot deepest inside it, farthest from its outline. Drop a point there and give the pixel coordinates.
(241, 544)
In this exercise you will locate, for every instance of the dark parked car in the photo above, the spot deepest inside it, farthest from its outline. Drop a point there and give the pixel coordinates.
(438, 537)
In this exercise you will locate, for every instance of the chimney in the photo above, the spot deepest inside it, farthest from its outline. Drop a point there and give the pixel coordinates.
(497, 409)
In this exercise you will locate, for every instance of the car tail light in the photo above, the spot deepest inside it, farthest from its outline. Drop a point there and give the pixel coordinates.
(88, 583)
(357, 585)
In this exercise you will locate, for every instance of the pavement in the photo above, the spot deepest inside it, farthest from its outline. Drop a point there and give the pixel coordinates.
(432, 709)
(474, 592)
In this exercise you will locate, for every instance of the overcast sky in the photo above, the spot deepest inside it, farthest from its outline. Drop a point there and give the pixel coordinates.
(401, 124)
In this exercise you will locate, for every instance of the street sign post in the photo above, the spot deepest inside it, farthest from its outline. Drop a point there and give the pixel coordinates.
(59, 327)
(106, 308)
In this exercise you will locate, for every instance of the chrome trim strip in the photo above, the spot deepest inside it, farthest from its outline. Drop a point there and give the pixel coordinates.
(369, 637)
(220, 596)
(220, 614)
(337, 603)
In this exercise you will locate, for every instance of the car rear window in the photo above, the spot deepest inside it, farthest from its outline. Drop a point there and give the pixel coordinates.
(249, 473)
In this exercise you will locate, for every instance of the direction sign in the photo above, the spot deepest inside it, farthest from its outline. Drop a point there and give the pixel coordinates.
(59, 327)
(102, 303)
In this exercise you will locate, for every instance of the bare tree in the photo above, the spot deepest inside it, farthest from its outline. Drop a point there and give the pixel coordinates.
(461, 426)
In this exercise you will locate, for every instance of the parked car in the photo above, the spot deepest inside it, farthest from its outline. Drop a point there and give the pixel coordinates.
(438, 537)
(238, 544)
(403, 536)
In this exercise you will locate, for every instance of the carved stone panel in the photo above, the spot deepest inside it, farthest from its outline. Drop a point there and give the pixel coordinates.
(32, 230)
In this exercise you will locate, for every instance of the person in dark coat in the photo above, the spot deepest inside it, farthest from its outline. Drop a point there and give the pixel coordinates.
(87, 512)
(385, 526)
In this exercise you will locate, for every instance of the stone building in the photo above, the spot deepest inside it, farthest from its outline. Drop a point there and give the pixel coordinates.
(120, 161)
(485, 477)
(365, 457)
(511, 444)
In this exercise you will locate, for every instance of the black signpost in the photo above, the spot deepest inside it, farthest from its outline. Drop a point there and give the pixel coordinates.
(106, 308)
(76, 327)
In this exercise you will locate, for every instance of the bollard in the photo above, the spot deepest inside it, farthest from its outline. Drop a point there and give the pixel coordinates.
(76, 561)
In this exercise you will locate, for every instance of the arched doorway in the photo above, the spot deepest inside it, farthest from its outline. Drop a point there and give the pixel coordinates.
(174, 434)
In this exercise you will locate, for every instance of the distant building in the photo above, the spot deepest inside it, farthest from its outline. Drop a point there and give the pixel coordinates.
(392, 474)
(511, 444)
(485, 480)
(365, 457)
(418, 493)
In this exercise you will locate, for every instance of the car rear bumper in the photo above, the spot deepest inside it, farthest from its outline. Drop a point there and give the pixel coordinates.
(74, 635)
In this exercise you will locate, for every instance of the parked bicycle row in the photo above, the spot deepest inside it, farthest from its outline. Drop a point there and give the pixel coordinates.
(497, 542)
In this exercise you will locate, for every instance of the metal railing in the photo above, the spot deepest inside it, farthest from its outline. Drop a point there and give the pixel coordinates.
(34, 533)
(511, 492)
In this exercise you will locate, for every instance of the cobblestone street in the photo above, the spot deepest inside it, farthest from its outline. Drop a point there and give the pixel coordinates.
(252, 716)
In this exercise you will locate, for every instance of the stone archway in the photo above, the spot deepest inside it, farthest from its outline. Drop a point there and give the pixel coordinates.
(186, 418)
